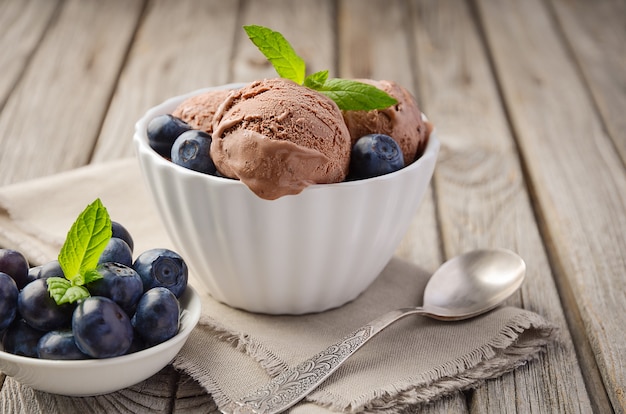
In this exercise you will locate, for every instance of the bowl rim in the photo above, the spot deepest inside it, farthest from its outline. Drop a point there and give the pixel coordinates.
(142, 146)
(189, 313)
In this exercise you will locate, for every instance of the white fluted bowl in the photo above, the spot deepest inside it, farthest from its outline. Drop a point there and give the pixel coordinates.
(102, 376)
(298, 254)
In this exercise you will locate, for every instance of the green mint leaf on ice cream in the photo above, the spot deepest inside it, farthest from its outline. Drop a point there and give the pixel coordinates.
(352, 94)
(79, 255)
(278, 51)
(349, 95)
(316, 80)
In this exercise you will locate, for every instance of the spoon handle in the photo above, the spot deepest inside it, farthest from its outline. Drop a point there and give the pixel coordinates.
(296, 383)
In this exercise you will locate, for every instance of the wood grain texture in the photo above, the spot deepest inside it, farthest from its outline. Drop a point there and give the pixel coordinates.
(582, 205)
(370, 47)
(191, 398)
(179, 47)
(22, 24)
(153, 395)
(307, 25)
(596, 33)
(482, 199)
(53, 115)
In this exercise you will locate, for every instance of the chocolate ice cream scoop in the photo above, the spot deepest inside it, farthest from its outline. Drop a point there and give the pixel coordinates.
(403, 121)
(198, 111)
(279, 137)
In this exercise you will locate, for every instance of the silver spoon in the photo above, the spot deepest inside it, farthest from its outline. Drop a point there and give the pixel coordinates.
(463, 287)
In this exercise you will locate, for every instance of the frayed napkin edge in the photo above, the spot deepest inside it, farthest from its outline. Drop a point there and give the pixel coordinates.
(269, 361)
(502, 354)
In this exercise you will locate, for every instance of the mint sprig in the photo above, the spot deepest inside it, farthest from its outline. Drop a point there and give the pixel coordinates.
(79, 255)
(278, 51)
(349, 95)
(352, 94)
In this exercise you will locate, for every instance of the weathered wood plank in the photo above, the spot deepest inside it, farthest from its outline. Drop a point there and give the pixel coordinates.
(366, 29)
(482, 198)
(22, 25)
(191, 398)
(53, 116)
(581, 206)
(179, 47)
(596, 33)
(307, 25)
(143, 397)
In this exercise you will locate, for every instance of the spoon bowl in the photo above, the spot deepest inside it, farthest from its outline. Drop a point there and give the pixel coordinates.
(473, 283)
(463, 287)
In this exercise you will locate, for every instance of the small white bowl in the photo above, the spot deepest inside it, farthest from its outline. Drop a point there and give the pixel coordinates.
(101, 376)
(298, 254)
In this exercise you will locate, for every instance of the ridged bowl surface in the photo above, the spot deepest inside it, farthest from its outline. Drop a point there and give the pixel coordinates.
(298, 254)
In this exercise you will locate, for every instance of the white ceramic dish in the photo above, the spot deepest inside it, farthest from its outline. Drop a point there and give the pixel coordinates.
(102, 376)
(298, 254)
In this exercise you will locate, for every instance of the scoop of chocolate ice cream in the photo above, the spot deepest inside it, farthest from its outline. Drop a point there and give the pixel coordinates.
(198, 111)
(279, 137)
(403, 122)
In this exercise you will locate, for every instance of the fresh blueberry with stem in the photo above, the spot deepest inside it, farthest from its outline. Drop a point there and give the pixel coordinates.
(162, 267)
(119, 283)
(101, 328)
(8, 300)
(373, 155)
(192, 150)
(162, 132)
(157, 318)
(117, 250)
(59, 345)
(14, 264)
(40, 310)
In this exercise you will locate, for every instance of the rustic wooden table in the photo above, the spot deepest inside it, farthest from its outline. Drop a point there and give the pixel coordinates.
(529, 98)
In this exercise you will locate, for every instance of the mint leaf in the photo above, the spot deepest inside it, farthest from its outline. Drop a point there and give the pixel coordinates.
(57, 286)
(85, 242)
(73, 294)
(79, 255)
(91, 276)
(316, 80)
(347, 94)
(278, 51)
(351, 95)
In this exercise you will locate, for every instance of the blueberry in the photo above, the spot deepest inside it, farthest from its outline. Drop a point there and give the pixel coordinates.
(119, 283)
(34, 273)
(39, 310)
(157, 317)
(14, 264)
(8, 300)
(21, 339)
(138, 343)
(162, 267)
(162, 132)
(373, 155)
(59, 345)
(101, 328)
(192, 150)
(120, 232)
(117, 250)
(51, 269)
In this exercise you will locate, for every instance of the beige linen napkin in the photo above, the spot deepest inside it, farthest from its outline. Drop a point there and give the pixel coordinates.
(233, 352)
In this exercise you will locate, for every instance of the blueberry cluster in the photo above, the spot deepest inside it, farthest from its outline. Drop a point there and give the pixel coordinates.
(135, 305)
(372, 155)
